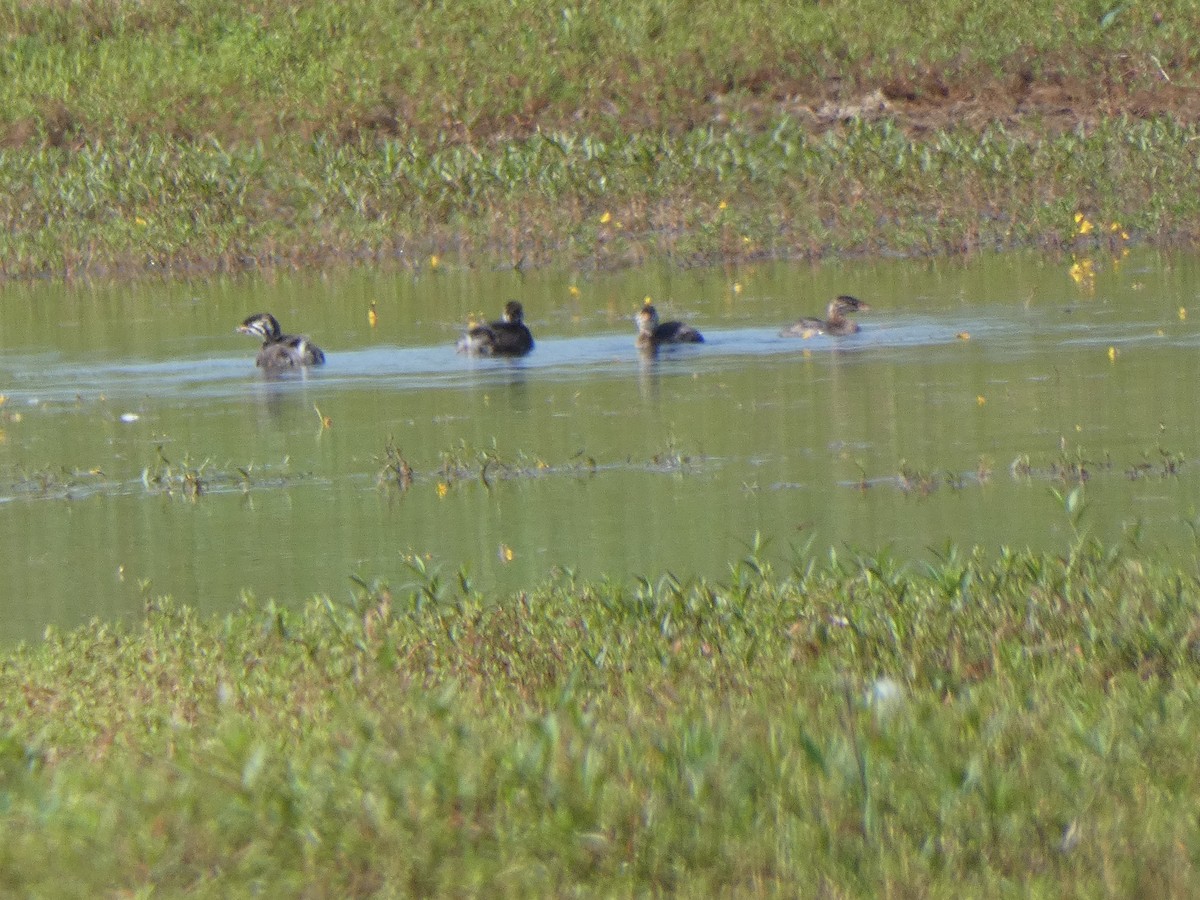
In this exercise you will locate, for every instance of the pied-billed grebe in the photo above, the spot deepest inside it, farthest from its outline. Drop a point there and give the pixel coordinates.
(279, 350)
(507, 337)
(836, 323)
(652, 333)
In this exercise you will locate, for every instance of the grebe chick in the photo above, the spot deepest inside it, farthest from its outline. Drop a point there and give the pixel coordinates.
(507, 337)
(836, 324)
(652, 333)
(280, 351)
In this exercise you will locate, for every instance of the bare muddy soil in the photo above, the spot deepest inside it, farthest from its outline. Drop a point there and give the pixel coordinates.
(1033, 99)
(931, 100)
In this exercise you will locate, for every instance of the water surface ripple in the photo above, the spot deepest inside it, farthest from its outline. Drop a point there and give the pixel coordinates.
(141, 452)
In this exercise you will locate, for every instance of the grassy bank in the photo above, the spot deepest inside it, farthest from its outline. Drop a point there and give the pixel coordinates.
(157, 136)
(698, 198)
(1022, 724)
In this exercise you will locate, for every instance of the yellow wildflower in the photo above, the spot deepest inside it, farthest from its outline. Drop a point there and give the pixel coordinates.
(1083, 270)
(606, 218)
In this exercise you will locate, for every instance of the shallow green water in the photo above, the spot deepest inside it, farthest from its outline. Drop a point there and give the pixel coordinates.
(604, 464)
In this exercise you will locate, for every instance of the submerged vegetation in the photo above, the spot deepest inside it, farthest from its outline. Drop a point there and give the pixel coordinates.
(487, 466)
(859, 725)
(156, 137)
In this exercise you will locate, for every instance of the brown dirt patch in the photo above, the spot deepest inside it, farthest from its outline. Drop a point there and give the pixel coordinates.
(930, 101)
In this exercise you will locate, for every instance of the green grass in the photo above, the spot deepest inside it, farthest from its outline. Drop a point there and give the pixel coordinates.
(697, 197)
(484, 70)
(192, 137)
(858, 727)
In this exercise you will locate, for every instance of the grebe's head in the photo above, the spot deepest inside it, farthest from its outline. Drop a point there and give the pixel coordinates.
(845, 303)
(513, 311)
(647, 318)
(261, 325)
